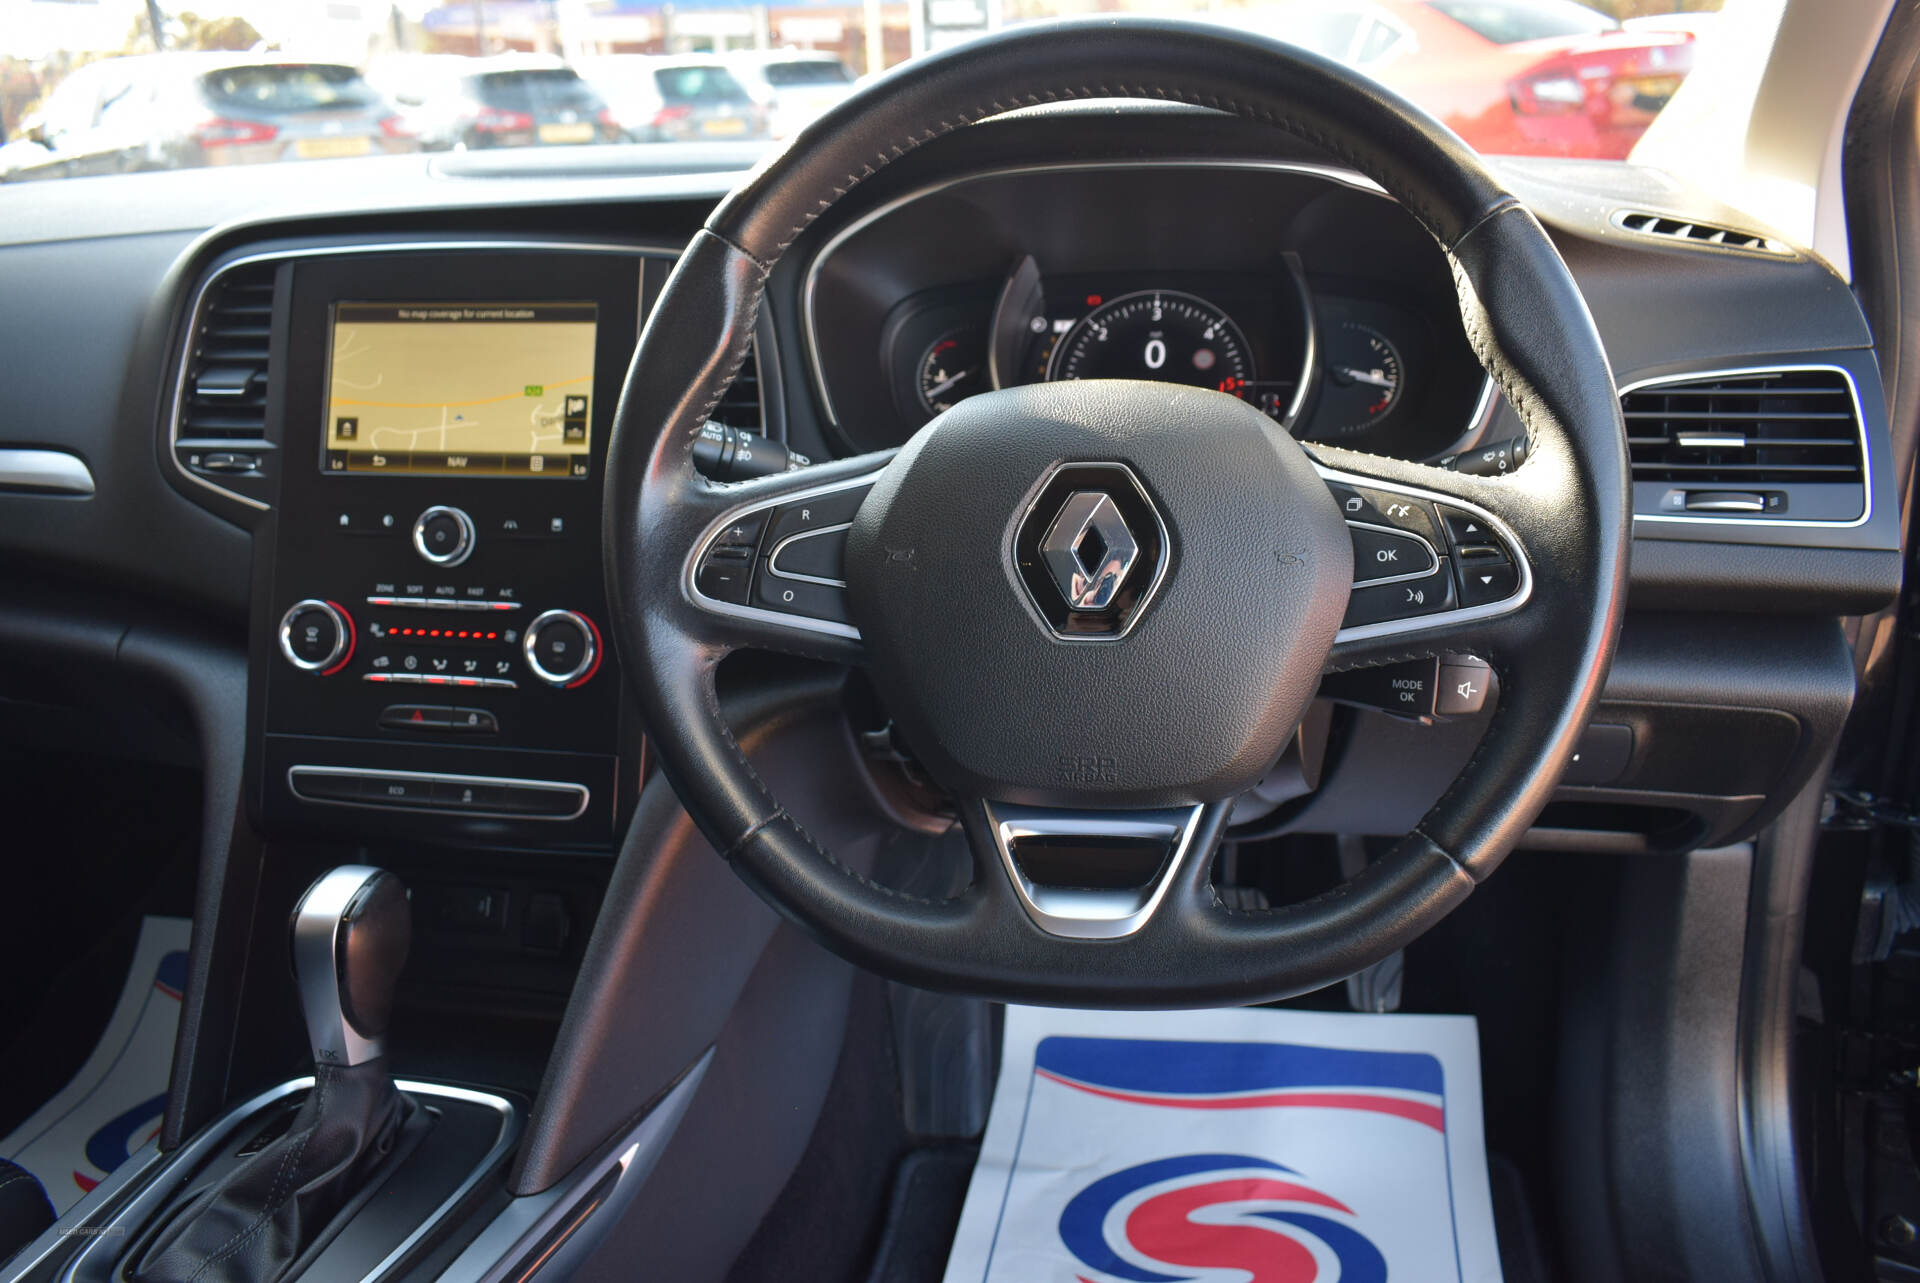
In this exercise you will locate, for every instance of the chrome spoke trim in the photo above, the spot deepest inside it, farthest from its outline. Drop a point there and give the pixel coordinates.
(1080, 913)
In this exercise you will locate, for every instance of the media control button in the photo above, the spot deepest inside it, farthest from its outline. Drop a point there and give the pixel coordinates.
(1377, 603)
(1386, 508)
(1405, 689)
(1379, 553)
(1464, 680)
(1483, 582)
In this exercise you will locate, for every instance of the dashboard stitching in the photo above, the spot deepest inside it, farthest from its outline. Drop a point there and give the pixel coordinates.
(1071, 93)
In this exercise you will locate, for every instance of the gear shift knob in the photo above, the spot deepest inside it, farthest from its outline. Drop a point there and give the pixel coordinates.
(351, 933)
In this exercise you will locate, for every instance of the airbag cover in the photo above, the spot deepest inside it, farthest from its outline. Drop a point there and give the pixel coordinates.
(1194, 700)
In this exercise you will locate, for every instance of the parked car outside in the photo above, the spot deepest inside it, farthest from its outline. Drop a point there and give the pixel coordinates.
(1512, 77)
(508, 100)
(180, 110)
(426, 91)
(794, 86)
(677, 98)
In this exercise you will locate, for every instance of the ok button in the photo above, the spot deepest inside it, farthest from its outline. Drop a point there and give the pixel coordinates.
(1380, 553)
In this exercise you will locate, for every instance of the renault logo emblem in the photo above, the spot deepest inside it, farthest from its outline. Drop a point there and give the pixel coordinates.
(1091, 550)
(1088, 550)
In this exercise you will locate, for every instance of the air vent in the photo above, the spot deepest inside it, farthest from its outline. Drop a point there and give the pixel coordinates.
(740, 407)
(1771, 443)
(227, 380)
(220, 434)
(1679, 229)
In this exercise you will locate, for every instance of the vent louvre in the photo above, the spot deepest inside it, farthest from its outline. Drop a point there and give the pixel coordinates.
(1679, 229)
(741, 407)
(226, 389)
(1772, 428)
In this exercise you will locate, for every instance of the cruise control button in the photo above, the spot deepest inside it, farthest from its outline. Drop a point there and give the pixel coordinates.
(815, 555)
(1405, 600)
(726, 574)
(835, 509)
(1483, 582)
(1388, 554)
(798, 597)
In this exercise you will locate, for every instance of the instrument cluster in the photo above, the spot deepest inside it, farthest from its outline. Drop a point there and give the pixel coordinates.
(1316, 301)
(1342, 368)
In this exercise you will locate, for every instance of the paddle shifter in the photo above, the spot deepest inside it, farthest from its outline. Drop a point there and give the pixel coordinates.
(351, 932)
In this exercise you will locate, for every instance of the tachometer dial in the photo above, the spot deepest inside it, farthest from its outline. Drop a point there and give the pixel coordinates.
(1162, 335)
(1361, 380)
(953, 368)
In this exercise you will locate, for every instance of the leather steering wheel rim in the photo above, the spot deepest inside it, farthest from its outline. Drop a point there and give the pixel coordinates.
(1567, 510)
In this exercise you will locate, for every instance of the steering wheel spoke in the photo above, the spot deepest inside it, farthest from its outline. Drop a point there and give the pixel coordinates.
(768, 568)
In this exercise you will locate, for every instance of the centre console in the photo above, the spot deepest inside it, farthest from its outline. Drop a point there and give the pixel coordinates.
(430, 651)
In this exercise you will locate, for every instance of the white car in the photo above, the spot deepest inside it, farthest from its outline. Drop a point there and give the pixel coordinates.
(794, 86)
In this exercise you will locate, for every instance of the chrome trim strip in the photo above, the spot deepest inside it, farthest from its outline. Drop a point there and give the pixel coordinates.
(185, 350)
(45, 471)
(1476, 423)
(773, 558)
(501, 1249)
(1784, 523)
(1083, 914)
(150, 1199)
(503, 1142)
(689, 574)
(1767, 246)
(1444, 618)
(60, 1233)
(1433, 558)
(364, 772)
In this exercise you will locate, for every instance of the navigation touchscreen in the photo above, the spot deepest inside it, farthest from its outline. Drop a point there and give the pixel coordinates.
(487, 389)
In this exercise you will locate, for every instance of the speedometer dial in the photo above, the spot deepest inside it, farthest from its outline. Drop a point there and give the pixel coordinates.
(1163, 335)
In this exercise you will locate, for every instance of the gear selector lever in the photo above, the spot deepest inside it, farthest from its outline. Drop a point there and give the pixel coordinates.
(351, 932)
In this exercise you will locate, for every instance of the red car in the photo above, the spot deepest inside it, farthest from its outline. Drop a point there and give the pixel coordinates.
(1512, 77)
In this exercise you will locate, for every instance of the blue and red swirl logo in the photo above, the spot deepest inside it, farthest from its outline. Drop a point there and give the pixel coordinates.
(1178, 1220)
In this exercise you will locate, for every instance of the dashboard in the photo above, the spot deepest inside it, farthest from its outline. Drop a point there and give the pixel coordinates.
(1300, 289)
(355, 436)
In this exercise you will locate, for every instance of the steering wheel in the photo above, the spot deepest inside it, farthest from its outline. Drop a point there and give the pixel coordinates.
(1096, 611)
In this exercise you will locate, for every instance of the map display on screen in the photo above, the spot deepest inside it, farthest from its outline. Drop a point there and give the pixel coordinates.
(485, 389)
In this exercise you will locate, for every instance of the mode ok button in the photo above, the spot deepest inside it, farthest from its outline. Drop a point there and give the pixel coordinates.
(1388, 554)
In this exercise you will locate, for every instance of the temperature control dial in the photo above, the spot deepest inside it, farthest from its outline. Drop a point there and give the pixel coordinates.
(316, 636)
(562, 648)
(444, 536)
